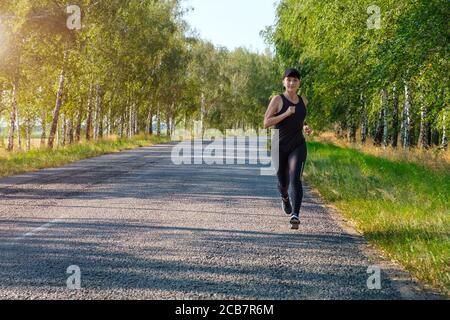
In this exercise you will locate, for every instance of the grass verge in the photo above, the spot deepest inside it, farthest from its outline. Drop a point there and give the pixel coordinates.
(21, 162)
(401, 207)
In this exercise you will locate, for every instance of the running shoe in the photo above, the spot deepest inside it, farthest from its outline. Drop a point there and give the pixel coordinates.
(286, 205)
(295, 222)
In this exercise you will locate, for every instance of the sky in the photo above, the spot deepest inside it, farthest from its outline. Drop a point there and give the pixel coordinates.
(231, 23)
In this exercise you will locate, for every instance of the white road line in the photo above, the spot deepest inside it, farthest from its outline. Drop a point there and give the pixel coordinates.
(38, 229)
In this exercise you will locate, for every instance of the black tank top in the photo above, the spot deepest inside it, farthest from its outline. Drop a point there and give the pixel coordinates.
(291, 128)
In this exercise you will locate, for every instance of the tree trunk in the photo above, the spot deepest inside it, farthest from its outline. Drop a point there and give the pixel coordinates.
(29, 128)
(394, 137)
(351, 128)
(70, 130)
(339, 129)
(130, 121)
(99, 113)
(122, 125)
(365, 124)
(172, 126)
(44, 128)
(158, 122)
(172, 120)
(385, 101)
(13, 116)
(58, 104)
(168, 123)
(406, 118)
(424, 126)
(63, 129)
(135, 122)
(95, 114)
(79, 121)
(379, 132)
(364, 129)
(149, 128)
(109, 120)
(89, 115)
(19, 140)
(444, 144)
(95, 122)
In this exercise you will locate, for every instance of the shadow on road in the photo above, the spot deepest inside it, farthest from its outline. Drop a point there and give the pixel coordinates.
(213, 261)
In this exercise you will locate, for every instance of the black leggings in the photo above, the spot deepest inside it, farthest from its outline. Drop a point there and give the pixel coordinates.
(290, 169)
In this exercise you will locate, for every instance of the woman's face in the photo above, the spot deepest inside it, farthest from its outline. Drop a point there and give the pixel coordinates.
(291, 84)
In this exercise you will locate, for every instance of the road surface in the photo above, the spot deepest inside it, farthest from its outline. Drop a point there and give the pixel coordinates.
(140, 227)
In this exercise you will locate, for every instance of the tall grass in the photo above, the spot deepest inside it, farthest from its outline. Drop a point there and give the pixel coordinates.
(433, 158)
(35, 159)
(401, 207)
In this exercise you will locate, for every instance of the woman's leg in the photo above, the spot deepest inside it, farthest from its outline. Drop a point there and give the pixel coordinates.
(283, 174)
(297, 159)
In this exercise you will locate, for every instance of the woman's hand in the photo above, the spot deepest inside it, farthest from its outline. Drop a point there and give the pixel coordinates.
(308, 130)
(290, 111)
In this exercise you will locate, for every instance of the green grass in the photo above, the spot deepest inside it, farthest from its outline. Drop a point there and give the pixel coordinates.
(402, 208)
(21, 162)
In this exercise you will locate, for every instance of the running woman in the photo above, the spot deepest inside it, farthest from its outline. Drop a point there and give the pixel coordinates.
(287, 112)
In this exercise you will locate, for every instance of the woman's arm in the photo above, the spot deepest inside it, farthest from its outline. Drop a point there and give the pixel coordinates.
(305, 101)
(306, 128)
(274, 106)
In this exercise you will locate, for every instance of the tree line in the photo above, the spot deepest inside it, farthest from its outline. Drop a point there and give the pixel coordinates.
(97, 68)
(380, 67)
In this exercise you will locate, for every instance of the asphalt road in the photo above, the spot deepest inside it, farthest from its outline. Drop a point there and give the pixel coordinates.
(140, 227)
